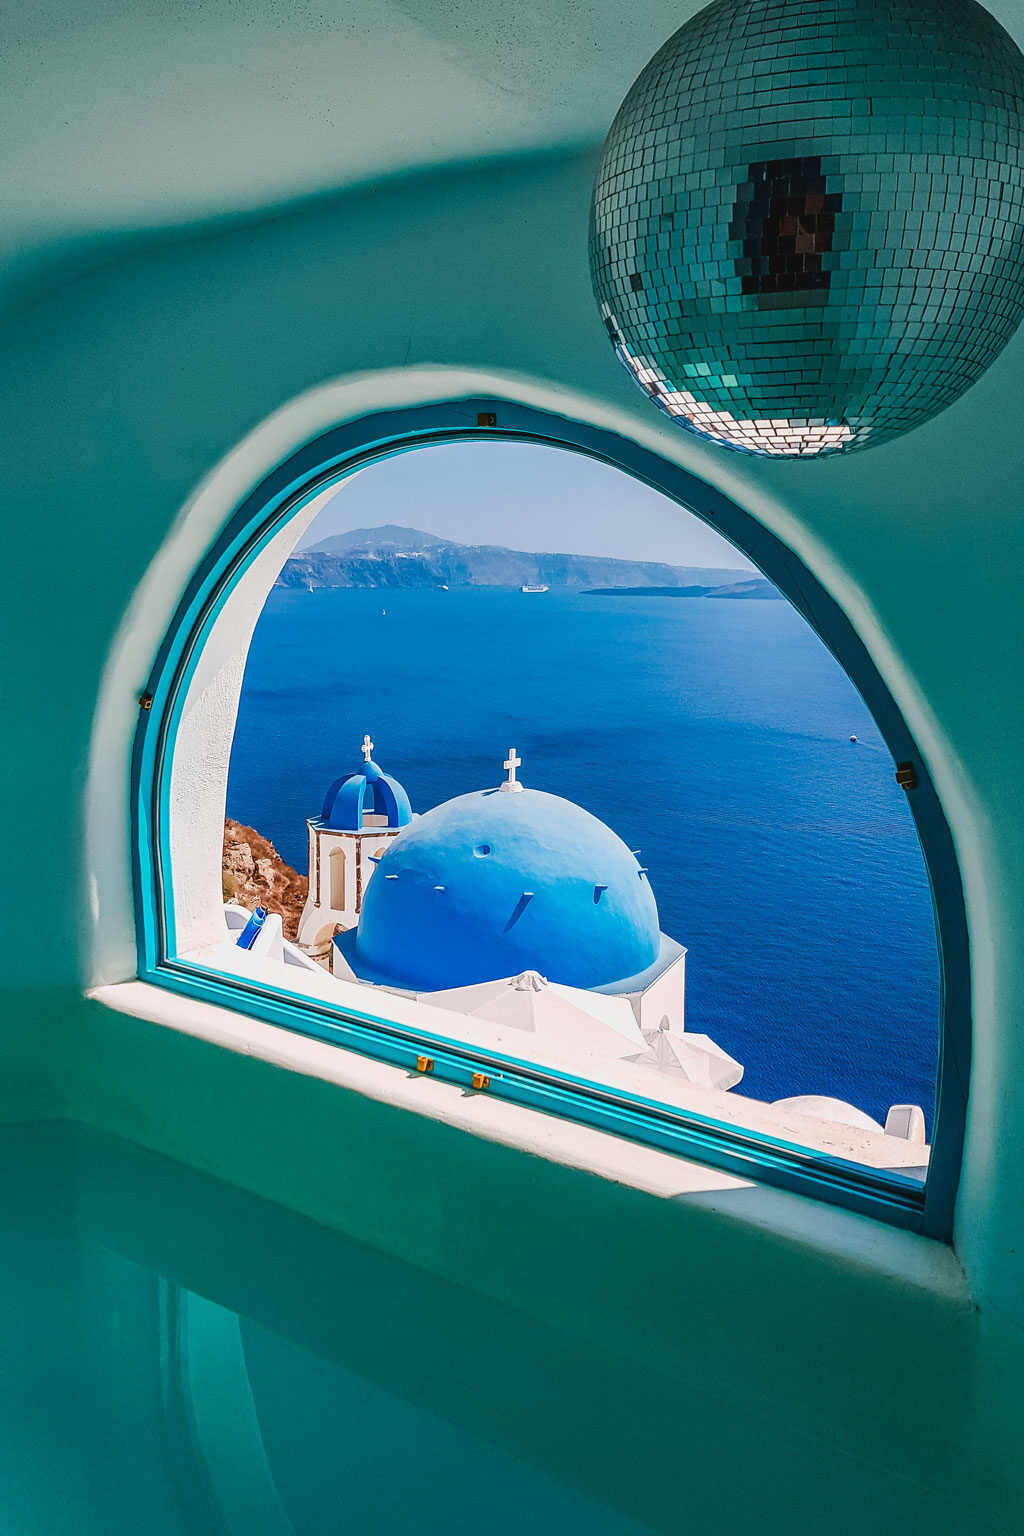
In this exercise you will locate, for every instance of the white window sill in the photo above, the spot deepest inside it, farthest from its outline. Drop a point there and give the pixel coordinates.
(839, 1235)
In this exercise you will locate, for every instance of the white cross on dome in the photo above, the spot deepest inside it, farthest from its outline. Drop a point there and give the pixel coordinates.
(367, 747)
(512, 762)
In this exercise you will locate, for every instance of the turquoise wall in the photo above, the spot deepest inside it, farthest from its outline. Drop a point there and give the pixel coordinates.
(124, 386)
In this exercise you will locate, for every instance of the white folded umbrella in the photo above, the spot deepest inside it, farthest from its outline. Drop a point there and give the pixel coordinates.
(694, 1057)
(565, 1017)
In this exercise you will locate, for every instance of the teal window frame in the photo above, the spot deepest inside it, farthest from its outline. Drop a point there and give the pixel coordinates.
(330, 457)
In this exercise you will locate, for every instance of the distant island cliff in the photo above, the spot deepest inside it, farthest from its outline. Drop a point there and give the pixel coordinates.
(756, 586)
(392, 556)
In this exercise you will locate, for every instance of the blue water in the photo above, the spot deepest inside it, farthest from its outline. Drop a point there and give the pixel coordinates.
(713, 735)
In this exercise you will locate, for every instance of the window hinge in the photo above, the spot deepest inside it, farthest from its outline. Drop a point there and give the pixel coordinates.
(906, 777)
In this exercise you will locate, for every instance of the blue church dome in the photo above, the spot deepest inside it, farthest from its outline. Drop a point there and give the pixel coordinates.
(490, 884)
(368, 792)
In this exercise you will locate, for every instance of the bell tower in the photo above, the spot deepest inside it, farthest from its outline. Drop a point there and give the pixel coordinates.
(361, 813)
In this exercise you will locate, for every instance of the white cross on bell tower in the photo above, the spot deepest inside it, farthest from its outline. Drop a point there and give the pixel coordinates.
(512, 762)
(367, 747)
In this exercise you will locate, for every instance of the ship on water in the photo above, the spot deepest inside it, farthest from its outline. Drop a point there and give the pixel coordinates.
(533, 589)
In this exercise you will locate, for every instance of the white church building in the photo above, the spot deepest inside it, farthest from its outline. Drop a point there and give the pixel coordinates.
(507, 905)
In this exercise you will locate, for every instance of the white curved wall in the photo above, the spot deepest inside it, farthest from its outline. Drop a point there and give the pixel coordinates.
(438, 271)
(202, 752)
(126, 390)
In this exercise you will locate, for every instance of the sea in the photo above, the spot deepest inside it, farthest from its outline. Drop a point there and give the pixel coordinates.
(712, 734)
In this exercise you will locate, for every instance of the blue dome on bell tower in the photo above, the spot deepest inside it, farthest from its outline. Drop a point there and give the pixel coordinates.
(366, 792)
(505, 880)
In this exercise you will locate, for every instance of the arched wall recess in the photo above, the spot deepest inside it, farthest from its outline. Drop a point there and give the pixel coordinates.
(338, 878)
(239, 568)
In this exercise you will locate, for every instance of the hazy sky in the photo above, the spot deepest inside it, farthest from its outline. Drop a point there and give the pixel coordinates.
(526, 497)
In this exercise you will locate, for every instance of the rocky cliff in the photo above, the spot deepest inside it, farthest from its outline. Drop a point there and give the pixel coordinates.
(254, 874)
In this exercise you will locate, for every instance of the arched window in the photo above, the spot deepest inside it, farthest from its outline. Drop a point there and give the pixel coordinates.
(186, 725)
(338, 879)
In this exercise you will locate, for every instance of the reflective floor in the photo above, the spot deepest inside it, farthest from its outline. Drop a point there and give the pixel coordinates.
(180, 1357)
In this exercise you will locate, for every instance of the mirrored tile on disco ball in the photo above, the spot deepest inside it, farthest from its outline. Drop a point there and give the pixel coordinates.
(807, 230)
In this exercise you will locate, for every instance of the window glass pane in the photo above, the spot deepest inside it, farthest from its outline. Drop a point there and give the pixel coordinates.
(531, 760)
